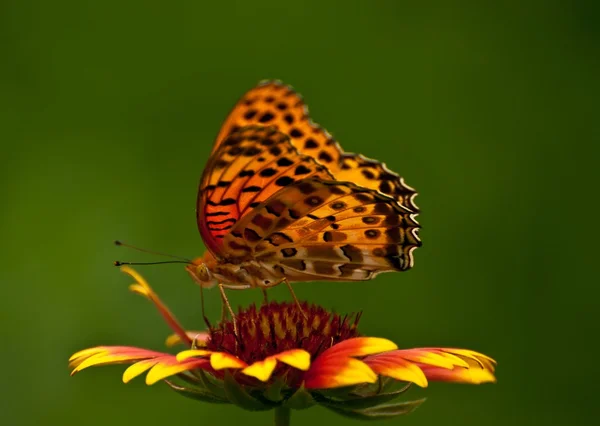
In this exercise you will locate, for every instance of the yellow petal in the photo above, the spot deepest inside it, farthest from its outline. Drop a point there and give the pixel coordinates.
(138, 368)
(353, 373)
(172, 340)
(297, 358)
(474, 358)
(474, 376)
(477, 376)
(401, 370)
(87, 353)
(376, 345)
(103, 359)
(197, 337)
(220, 360)
(261, 370)
(190, 353)
(162, 371)
(143, 288)
(455, 359)
(471, 354)
(429, 358)
(138, 289)
(361, 346)
(131, 272)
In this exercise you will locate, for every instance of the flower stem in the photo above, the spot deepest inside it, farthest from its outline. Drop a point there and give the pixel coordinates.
(282, 416)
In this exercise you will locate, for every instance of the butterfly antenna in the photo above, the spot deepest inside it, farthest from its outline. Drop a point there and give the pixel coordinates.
(118, 263)
(183, 259)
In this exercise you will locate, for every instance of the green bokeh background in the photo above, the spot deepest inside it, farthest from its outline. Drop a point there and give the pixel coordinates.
(108, 111)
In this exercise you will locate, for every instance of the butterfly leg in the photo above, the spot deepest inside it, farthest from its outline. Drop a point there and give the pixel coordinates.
(265, 296)
(289, 286)
(223, 310)
(228, 306)
(264, 288)
(206, 321)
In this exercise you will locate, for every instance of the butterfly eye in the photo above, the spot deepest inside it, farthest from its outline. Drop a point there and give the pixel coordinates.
(203, 273)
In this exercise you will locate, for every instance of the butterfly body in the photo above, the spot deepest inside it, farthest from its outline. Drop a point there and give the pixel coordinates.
(279, 200)
(247, 274)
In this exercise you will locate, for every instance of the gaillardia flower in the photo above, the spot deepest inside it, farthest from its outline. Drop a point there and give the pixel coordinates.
(289, 357)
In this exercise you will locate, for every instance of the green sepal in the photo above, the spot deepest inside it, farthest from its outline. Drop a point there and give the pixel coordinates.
(213, 386)
(240, 397)
(197, 394)
(273, 392)
(388, 384)
(299, 400)
(338, 393)
(383, 385)
(191, 379)
(359, 402)
(384, 411)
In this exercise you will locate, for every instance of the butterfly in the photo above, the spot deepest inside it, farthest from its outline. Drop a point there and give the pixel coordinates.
(280, 201)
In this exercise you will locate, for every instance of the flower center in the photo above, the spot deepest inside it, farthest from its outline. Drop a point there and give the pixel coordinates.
(276, 327)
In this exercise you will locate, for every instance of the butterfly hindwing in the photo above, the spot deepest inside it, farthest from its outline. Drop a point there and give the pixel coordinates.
(251, 165)
(272, 103)
(321, 229)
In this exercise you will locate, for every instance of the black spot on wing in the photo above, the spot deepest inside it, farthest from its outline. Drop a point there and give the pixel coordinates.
(266, 117)
(310, 144)
(253, 188)
(284, 181)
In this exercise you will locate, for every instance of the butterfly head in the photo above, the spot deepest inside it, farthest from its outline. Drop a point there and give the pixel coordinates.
(199, 269)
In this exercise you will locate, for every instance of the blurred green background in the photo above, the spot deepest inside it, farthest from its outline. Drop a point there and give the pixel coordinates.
(108, 111)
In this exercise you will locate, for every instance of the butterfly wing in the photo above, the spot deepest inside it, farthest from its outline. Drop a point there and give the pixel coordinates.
(272, 103)
(251, 165)
(317, 229)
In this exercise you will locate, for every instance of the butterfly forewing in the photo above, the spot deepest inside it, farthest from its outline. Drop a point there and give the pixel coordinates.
(251, 165)
(272, 103)
(322, 229)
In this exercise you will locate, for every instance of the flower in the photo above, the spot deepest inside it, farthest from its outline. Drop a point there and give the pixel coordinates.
(290, 357)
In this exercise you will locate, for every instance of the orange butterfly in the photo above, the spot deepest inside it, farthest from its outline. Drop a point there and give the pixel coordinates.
(280, 201)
